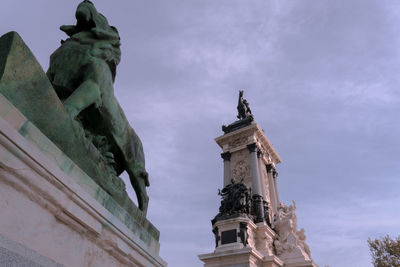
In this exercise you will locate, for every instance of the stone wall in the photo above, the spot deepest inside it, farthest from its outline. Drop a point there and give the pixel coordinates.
(49, 206)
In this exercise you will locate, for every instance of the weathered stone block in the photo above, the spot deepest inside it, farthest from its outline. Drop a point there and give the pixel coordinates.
(51, 206)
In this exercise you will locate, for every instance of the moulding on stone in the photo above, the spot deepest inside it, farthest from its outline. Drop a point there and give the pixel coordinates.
(245, 136)
(240, 166)
(65, 203)
(232, 257)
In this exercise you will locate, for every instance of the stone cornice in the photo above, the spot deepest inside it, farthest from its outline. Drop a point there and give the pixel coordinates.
(239, 139)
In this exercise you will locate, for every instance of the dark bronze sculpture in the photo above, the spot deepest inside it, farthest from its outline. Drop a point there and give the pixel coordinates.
(236, 201)
(243, 235)
(243, 107)
(82, 71)
(244, 115)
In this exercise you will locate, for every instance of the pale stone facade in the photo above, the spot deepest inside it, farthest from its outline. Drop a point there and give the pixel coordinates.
(53, 214)
(270, 242)
(236, 144)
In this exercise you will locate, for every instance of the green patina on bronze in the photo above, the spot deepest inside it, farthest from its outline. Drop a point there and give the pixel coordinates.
(74, 104)
(140, 227)
(82, 72)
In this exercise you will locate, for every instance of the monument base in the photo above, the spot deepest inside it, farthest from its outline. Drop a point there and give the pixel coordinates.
(244, 257)
(53, 214)
(249, 246)
(242, 243)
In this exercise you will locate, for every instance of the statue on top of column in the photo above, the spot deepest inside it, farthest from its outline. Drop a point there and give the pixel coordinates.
(244, 115)
(243, 107)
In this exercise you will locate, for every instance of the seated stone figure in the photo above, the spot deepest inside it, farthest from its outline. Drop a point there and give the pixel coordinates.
(82, 71)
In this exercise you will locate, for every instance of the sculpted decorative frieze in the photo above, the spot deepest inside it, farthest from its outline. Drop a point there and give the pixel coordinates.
(251, 237)
(251, 134)
(290, 242)
(302, 241)
(264, 243)
(240, 166)
(238, 140)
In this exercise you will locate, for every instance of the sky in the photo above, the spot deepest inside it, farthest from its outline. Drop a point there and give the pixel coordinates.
(322, 79)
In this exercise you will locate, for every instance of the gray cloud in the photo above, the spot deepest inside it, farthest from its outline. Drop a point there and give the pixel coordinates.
(321, 78)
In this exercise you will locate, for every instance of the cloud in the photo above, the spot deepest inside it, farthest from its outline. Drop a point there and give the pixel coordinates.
(322, 79)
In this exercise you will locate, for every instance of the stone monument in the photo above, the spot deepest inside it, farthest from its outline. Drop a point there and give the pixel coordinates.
(253, 228)
(64, 141)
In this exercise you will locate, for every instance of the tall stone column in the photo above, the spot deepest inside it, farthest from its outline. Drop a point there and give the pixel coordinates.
(255, 179)
(227, 167)
(260, 175)
(272, 191)
(263, 187)
(275, 175)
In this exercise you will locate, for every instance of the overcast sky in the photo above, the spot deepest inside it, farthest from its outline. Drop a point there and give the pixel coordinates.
(322, 78)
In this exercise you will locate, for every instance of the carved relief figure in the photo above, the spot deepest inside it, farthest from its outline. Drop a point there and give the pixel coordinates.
(251, 237)
(240, 166)
(238, 141)
(285, 224)
(302, 241)
(264, 243)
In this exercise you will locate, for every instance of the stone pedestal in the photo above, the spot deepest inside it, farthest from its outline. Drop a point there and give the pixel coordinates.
(54, 214)
(240, 243)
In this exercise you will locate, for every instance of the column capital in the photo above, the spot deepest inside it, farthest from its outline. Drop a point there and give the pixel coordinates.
(252, 147)
(275, 174)
(226, 156)
(270, 168)
(260, 154)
